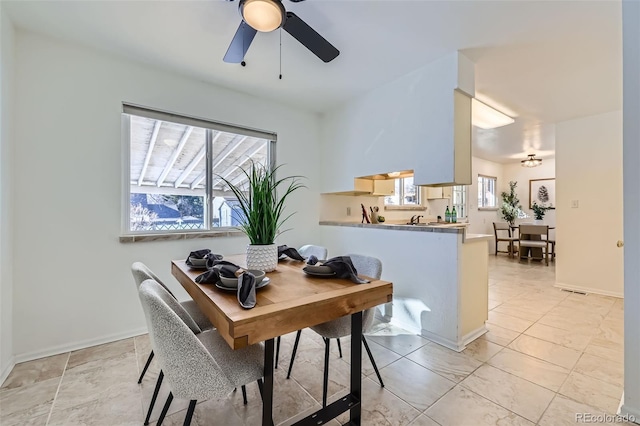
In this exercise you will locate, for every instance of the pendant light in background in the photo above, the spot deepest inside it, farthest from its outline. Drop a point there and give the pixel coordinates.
(531, 161)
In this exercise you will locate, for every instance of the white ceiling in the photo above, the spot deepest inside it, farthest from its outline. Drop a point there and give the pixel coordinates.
(540, 61)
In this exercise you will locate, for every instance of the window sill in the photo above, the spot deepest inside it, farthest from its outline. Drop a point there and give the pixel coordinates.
(488, 209)
(396, 208)
(139, 238)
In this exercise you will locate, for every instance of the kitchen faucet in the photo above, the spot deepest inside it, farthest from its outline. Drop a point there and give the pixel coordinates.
(415, 219)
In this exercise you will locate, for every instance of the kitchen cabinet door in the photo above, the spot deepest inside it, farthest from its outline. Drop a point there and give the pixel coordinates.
(384, 187)
(438, 193)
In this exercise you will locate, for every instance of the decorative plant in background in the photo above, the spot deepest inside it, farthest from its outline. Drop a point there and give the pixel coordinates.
(539, 210)
(511, 208)
(261, 205)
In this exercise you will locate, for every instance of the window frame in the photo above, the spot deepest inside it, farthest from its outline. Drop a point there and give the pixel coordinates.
(402, 206)
(465, 200)
(495, 193)
(210, 126)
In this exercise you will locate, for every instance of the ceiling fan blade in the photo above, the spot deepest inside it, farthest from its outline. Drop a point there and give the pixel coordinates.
(240, 43)
(309, 38)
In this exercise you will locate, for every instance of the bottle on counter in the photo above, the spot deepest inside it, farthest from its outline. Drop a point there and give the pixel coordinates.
(454, 215)
(447, 215)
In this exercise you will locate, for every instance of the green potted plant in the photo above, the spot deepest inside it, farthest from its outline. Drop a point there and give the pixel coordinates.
(511, 208)
(539, 210)
(262, 206)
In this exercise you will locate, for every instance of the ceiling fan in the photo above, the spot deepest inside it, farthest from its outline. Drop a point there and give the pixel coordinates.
(269, 15)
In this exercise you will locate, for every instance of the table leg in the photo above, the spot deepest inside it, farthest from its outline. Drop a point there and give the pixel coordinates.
(267, 398)
(356, 367)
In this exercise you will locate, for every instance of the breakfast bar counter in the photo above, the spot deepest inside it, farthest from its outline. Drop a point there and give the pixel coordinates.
(440, 275)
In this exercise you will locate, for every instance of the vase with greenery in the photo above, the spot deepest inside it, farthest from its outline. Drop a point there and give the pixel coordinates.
(511, 208)
(262, 204)
(539, 210)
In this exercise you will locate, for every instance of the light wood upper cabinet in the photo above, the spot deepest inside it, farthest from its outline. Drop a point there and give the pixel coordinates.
(438, 192)
(384, 187)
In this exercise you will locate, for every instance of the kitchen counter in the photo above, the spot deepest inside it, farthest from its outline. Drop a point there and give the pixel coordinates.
(439, 272)
(447, 228)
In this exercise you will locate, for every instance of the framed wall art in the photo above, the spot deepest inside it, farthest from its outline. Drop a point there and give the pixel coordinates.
(542, 192)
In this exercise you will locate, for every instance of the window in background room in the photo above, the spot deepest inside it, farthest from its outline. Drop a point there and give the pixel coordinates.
(459, 200)
(487, 192)
(175, 167)
(405, 194)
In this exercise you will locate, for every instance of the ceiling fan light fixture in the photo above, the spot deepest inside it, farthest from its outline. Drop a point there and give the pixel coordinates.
(262, 15)
(531, 161)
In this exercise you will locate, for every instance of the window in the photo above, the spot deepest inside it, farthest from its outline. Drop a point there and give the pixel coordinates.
(487, 192)
(405, 194)
(459, 200)
(174, 169)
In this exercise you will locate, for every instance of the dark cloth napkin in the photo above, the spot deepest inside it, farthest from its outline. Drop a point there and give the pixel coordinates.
(212, 276)
(203, 254)
(289, 252)
(222, 268)
(343, 268)
(247, 290)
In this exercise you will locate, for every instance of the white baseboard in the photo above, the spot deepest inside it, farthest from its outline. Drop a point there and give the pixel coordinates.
(7, 369)
(72, 346)
(473, 335)
(632, 414)
(589, 290)
(447, 343)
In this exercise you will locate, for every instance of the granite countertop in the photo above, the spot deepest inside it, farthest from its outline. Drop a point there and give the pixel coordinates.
(444, 228)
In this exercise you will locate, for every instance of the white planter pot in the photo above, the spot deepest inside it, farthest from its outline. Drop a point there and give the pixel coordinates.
(262, 257)
(538, 222)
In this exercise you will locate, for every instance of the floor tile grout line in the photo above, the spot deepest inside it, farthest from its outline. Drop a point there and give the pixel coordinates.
(55, 397)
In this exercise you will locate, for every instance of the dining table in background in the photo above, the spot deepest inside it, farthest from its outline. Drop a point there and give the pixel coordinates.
(291, 301)
(535, 252)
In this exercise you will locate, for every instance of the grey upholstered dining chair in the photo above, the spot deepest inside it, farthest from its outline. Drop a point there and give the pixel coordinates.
(341, 327)
(307, 250)
(196, 366)
(141, 273)
(311, 250)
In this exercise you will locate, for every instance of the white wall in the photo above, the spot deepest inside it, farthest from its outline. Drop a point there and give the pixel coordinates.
(631, 150)
(406, 124)
(72, 279)
(522, 175)
(589, 170)
(6, 170)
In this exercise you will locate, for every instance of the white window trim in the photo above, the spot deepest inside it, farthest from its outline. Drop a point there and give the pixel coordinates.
(465, 189)
(495, 195)
(126, 235)
(402, 206)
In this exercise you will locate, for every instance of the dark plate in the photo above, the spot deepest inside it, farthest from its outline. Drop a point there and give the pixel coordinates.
(318, 271)
(265, 281)
(197, 266)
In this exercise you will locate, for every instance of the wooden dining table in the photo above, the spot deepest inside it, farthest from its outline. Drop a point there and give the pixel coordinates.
(536, 253)
(291, 301)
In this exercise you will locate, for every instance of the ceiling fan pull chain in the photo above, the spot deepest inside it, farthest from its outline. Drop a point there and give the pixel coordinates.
(280, 77)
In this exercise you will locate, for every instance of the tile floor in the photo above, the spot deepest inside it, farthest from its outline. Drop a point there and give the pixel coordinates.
(548, 355)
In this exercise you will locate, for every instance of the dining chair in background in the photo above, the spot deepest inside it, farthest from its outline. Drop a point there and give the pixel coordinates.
(341, 327)
(197, 319)
(535, 236)
(320, 253)
(499, 230)
(311, 250)
(196, 366)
